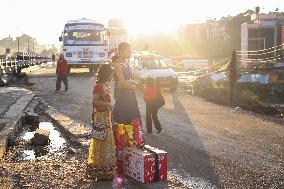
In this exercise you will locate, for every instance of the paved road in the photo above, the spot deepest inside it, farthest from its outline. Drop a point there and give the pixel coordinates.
(9, 96)
(209, 146)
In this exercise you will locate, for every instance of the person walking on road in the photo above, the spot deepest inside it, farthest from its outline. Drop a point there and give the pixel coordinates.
(53, 59)
(154, 100)
(61, 72)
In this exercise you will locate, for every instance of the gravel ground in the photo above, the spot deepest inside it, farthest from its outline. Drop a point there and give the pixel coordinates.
(56, 166)
(209, 146)
(60, 172)
(56, 173)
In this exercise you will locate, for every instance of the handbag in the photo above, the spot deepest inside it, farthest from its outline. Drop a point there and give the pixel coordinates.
(101, 121)
(98, 132)
(160, 102)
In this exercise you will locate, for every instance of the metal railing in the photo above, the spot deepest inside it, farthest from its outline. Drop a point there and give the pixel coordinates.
(17, 63)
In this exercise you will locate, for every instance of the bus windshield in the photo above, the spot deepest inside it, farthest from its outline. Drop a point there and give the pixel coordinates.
(85, 35)
(153, 63)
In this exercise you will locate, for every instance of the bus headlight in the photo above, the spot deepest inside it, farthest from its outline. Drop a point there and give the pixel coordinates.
(101, 54)
(68, 54)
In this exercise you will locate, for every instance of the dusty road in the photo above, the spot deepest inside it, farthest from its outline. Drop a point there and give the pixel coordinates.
(209, 146)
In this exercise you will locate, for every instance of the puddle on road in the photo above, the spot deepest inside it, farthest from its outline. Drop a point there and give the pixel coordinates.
(26, 151)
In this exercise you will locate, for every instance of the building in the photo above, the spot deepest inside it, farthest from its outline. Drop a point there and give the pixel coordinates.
(209, 31)
(261, 38)
(217, 30)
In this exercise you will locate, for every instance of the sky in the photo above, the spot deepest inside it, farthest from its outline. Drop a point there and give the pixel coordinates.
(45, 19)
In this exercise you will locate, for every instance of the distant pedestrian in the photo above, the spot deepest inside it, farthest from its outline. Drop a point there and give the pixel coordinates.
(61, 72)
(154, 100)
(53, 59)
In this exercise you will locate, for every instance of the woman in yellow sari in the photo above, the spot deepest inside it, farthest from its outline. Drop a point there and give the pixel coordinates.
(102, 152)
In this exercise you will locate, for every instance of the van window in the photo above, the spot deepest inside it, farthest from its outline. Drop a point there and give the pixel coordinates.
(154, 63)
(137, 64)
(85, 35)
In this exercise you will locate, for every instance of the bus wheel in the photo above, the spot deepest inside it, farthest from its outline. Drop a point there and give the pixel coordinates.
(91, 69)
(17, 71)
(94, 69)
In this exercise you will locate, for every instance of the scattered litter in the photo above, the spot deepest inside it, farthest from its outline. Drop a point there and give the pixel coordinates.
(238, 109)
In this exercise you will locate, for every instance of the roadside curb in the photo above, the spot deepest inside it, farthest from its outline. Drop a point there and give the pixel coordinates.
(11, 121)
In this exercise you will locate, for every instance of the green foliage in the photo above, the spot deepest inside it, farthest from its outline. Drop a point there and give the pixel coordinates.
(233, 28)
(233, 74)
(251, 97)
(165, 44)
(49, 51)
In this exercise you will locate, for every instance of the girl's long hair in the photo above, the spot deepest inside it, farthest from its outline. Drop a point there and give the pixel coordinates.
(104, 72)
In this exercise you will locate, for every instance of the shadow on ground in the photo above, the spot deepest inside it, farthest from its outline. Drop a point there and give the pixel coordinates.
(189, 163)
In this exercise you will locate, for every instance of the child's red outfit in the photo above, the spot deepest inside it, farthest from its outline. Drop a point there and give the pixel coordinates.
(150, 97)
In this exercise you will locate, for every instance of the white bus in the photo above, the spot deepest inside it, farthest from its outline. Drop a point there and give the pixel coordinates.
(85, 44)
(117, 32)
(116, 36)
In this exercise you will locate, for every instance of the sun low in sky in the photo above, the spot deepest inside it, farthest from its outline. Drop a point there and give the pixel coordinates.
(45, 19)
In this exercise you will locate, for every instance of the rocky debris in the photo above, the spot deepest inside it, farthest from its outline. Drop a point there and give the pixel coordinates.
(3, 78)
(2, 125)
(41, 138)
(31, 117)
(41, 107)
(7, 77)
(32, 121)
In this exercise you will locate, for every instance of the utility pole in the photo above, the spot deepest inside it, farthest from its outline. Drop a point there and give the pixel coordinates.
(33, 46)
(18, 44)
(28, 45)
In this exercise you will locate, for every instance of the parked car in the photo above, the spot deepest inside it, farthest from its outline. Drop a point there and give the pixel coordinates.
(144, 65)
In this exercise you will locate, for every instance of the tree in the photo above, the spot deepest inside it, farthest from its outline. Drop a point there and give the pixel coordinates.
(233, 75)
(165, 44)
(49, 51)
(233, 28)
